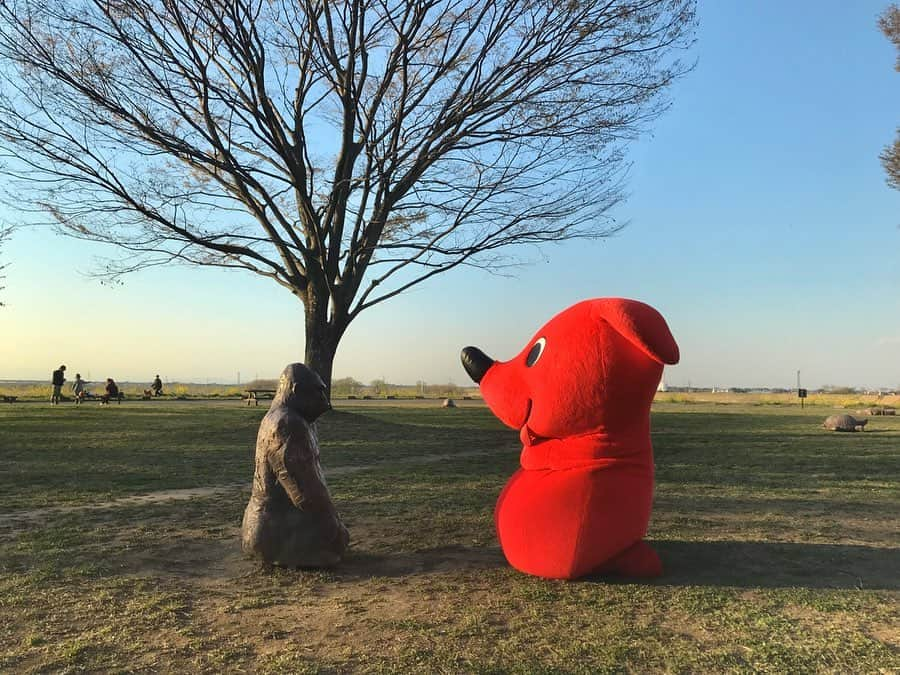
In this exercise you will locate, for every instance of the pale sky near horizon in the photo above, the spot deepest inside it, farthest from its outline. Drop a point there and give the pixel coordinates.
(760, 225)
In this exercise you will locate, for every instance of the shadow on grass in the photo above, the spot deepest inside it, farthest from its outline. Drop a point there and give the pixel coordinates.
(687, 563)
(720, 564)
(748, 564)
(363, 564)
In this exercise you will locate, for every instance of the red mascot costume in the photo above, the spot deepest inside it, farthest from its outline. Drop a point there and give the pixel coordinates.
(580, 393)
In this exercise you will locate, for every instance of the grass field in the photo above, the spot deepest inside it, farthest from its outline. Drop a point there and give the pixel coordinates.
(780, 541)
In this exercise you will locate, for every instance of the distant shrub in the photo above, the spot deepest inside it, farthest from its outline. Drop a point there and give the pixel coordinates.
(346, 387)
(853, 403)
(840, 390)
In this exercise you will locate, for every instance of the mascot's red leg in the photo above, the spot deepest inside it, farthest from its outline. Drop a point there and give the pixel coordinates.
(638, 560)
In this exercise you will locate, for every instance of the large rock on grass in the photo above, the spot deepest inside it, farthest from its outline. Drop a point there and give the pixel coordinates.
(844, 423)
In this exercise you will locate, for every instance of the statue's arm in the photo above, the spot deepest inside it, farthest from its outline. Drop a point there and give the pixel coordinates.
(279, 456)
(277, 462)
(294, 461)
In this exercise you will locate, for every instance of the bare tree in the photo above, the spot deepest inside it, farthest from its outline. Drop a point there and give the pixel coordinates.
(4, 235)
(346, 150)
(889, 23)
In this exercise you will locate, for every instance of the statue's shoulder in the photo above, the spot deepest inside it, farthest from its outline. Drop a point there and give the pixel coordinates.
(283, 419)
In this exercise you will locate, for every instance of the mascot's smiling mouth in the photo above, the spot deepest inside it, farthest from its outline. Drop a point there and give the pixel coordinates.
(528, 405)
(526, 435)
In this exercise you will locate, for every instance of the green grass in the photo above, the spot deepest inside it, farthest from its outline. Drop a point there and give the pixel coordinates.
(779, 540)
(80, 454)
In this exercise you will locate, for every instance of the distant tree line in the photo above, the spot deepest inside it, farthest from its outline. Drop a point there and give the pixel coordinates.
(379, 388)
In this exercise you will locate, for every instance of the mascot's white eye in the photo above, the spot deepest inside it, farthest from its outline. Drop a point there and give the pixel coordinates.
(534, 354)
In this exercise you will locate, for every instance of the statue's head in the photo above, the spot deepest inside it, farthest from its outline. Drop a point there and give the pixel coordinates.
(301, 389)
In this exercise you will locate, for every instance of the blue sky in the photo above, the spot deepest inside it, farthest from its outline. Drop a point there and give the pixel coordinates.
(760, 225)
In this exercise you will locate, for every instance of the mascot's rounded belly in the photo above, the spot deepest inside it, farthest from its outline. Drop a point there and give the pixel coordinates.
(564, 524)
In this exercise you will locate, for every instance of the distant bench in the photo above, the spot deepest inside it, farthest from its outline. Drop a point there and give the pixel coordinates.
(10, 399)
(118, 398)
(256, 394)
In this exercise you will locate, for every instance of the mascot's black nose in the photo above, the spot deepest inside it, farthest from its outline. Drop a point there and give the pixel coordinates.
(476, 362)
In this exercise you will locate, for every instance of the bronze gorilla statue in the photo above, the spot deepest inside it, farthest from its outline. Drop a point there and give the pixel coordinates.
(290, 519)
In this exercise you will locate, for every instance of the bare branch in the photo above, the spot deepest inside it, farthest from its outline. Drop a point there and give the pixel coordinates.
(4, 235)
(889, 23)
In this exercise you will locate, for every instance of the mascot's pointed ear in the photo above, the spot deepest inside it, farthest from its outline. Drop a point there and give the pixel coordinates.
(642, 325)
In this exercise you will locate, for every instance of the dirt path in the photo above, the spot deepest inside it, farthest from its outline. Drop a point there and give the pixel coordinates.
(160, 496)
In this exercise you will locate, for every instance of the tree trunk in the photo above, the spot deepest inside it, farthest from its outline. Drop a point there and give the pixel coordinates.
(322, 336)
(320, 353)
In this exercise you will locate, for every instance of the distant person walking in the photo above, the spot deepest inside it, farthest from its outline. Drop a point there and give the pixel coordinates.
(156, 386)
(112, 391)
(59, 379)
(78, 389)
